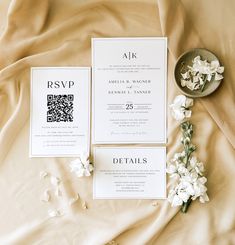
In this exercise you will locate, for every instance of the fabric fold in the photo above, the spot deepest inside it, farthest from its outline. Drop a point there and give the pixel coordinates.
(180, 30)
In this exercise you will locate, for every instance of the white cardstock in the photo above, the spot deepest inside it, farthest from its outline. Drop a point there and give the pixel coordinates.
(60, 111)
(129, 173)
(129, 90)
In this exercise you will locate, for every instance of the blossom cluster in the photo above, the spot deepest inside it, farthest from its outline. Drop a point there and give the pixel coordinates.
(184, 167)
(81, 166)
(180, 107)
(190, 180)
(200, 73)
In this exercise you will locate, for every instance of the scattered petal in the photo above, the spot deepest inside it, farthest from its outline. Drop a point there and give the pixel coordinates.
(112, 243)
(46, 196)
(58, 192)
(54, 213)
(73, 200)
(84, 205)
(154, 204)
(43, 174)
(55, 181)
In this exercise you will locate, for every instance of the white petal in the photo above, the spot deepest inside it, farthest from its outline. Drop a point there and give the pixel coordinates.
(195, 79)
(190, 85)
(180, 100)
(178, 115)
(190, 190)
(171, 169)
(196, 59)
(43, 174)
(154, 204)
(220, 69)
(75, 165)
(183, 196)
(204, 198)
(188, 113)
(90, 167)
(218, 77)
(87, 173)
(73, 200)
(176, 201)
(185, 75)
(55, 181)
(45, 196)
(54, 213)
(203, 180)
(188, 102)
(83, 157)
(171, 195)
(200, 166)
(58, 192)
(193, 161)
(215, 64)
(208, 78)
(84, 205)
(183, 82)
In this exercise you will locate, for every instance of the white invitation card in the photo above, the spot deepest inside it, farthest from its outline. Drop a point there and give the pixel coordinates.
(129, 173)
(60, 111)
(129, 90)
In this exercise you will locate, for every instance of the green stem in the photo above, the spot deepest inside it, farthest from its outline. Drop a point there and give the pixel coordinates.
(203, 86)
(186, 205)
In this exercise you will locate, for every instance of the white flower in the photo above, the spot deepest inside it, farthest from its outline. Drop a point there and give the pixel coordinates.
(190, 182)
(182, 169)
(183, 195)
(196, 165)
(177, 156)
(174, 199)
(187, 187)
(180, 107)
(171, 169)
(200, 72)
(81, 166)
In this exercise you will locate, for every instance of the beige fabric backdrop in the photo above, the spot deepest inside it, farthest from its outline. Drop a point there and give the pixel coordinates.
(58, 33)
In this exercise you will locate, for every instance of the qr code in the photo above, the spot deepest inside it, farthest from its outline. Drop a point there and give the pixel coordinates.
(60, 108)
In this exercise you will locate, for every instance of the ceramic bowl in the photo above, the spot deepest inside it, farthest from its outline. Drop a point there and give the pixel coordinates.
(181, 66)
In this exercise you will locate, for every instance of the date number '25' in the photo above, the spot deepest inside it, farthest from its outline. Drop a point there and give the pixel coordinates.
(129, 106)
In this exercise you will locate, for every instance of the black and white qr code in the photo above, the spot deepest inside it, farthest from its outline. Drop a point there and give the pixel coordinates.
(60, 108)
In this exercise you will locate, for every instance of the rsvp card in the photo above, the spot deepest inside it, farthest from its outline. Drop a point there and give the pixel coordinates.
(129, 173)
(59, 118)
(129, 90)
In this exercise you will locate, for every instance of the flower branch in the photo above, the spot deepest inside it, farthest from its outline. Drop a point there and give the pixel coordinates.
(184, 167)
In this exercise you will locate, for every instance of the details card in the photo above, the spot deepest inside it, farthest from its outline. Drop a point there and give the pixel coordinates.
(129, 173)
(129, 90)
(60, 114)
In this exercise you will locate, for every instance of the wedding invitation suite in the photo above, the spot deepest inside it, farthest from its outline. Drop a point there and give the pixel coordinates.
(129, 90)
(60, 107)
(129, 173)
